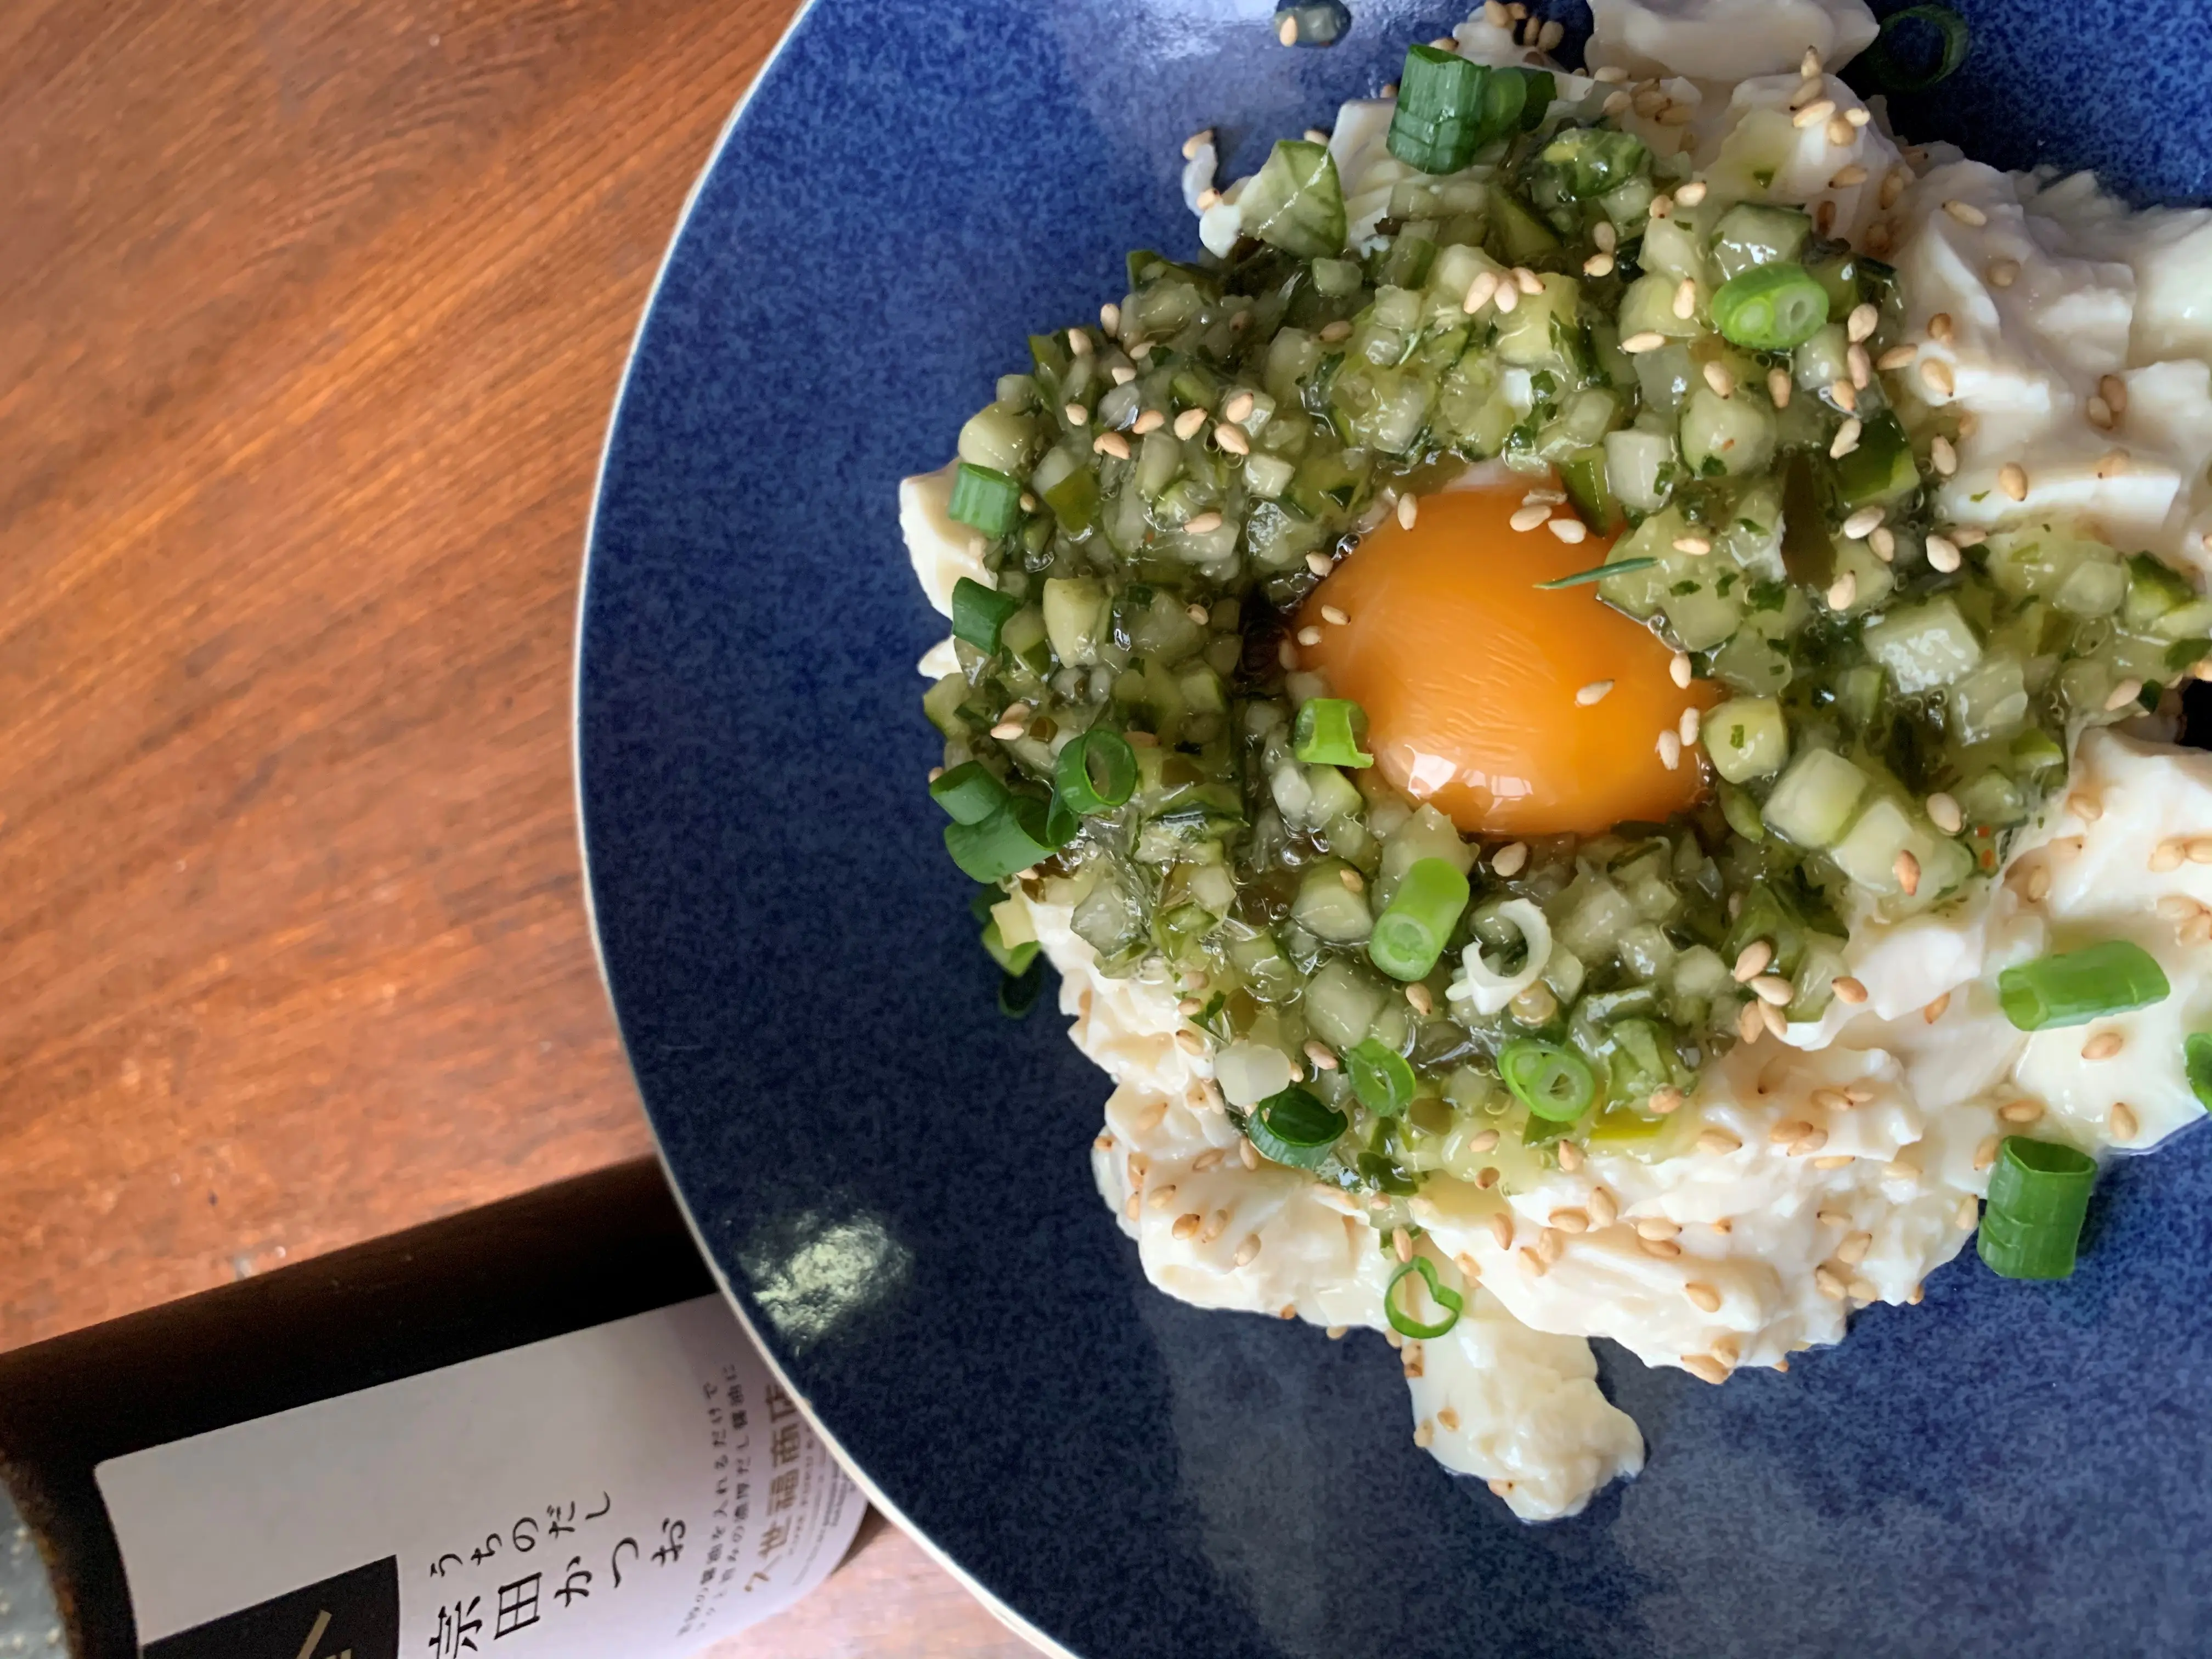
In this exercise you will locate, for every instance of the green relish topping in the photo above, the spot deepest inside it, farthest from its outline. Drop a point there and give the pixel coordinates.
(1725, 387)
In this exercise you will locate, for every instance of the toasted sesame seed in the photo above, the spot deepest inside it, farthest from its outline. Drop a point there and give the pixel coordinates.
(1662, 205)
(1663, 1247)
(1670, 750)
(1593, 693)
(1898, 356)
(1965, 213)
(1238, 406)
(2012, 478)
(1478, 292)
(2103, 1046)
(1308, 637)
(1598, 264)
(1685, 298)
(1486, 1177)
(1861, 368)
(1501, 1229)
(1706, 1367)
(2200, 849)
(1185, 1226)
(2098, 413)
(1197, 140)
(1527, 518)
(1679, 670)
(1750, 1024)
(1898, 1168)
(1666, 1100)
(1847, 439)
(1509, 858)
(2166, 855)
(1111, 443)
(1409, 508)
(2038, 885)
(1943, 555)
(1815, 113)
(1847, 175)
(1937, 374)
(1893, 186)
(1203, 524)
(1247, 1154)
(1718, 378)
(1843, 591)
(1862, 521)
(2124, 1127)
(1187, 423)
(1831, 1282)
(1402, 1243)
(1232, 439)
(1787, 1131)
(1843, 395)
(1570, 1220)
(1937, 1008)
(1150, 420)
(1332, 333)
(1719, 1143)
(2123, 694)
(1772, 987)
(1532, 1260)
(1569, 1155)
(1830, 1100)
(1883, 543)
(1526, 281)
(1656, 1227)
(1647, 340)
(1570, 531)
(1839, 133)
(1770, 1017)
(1287, 30)
(1162, 1196)
(1832, 1161)
(2021, 1111)
(1906, 868)
(1007, 731)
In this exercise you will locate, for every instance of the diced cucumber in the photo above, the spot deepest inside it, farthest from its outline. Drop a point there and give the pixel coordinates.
(1333, 795)
(1649, 307)
(1640, 467)
(1747, 737)
(1756, 659)
(1529, 337)
(2039, 559)
(1455, 272)
(1627, 203)
(2192, 621)
(1672, 248)
(1752, 233)
(1726, 434)
(1075, 618)
(1645, 951)
(1663, 378)
(1858, 693)
(1265, 476)
(1341, 1001)
(1993, 799)
(1989, 701)
(941, 702)
(1159, 458)
(1337, 278)
(1815, 978)
(1813, 801)
(1879, 469)
(1425, 834)
(1869, 854)
(1269, 974)
(999, 439)
(1594, 914)
(1818, 363)
(1292, 354)
(1700, 972)
(1923, 645)
(1873, 580)
(2093, 587)
(1522, 237)
(2154, 589)
(1327, 909)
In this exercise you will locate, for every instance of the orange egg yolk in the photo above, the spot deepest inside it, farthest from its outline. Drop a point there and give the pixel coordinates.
(1514, 710)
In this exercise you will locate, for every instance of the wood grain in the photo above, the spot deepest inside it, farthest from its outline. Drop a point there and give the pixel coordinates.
(311, 317)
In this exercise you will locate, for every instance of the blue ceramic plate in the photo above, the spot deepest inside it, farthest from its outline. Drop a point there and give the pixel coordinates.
(894, 1180)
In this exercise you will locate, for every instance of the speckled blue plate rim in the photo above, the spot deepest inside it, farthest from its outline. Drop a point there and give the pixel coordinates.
(1254, 1483)
(792, 1384)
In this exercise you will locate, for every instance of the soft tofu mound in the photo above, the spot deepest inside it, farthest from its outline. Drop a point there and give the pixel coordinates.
(1841, 1166)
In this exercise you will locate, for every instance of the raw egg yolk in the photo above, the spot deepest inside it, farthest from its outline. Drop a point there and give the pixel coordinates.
(1514, 710)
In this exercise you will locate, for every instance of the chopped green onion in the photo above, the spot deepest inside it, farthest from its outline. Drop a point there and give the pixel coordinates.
(1295, 203)
(1327, 733)
(1380, 1076)
(1552, 1082)
(1438, 124)
(1412, 933)
(2197, 1061)
(1588, 161)
(968, 793)
(2075, 987)
(1015, 958)
(1770, 307)
(1018, 835)
(1096, 772)
(2038, 1194)
(1017, 992)
(1538, 88)
(979, 612)
(1404, 1323)
(1891, 75)
(1294, 1127)
(2182, 653)
(1598, 573)
(989, 500)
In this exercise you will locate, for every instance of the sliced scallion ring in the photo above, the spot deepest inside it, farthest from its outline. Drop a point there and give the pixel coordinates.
(1891, 75)
(1380, 1076)
(2075, 987)
(2038, 1194)
(1096, 772)
(2197, 1062)
(1552, 1082)
(1404, 1323)
(1770, 307)
(1294, 1127)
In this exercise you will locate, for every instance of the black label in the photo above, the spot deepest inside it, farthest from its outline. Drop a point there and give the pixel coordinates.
(354, 1615)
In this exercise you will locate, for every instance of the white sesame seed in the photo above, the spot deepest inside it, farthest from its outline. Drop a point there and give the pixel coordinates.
(1943, 554)
(1847, 175)
(1778, 387)
(1753, 960)
(1906, 868)
(1570, 1220)
(1287, 655)
(1936, 373)
(1528, 281)
(1843, 591)
(1685, 298)
(1750, 1023)
(1704, 1296)
(1598, 264)
(1605, 236)
(1860, 522)
(2021, 1111)
(1287, 30)
(1568, 530)
(1319, 563)
(1007, 731)
(1772, 987)
(1483, 1142)
(1647, 340)
(1478, 292)
(1593, 693)
(1527, 518)
(1688, 726)
(2113, 464)
(1333, 616)
(1232, 439)
(1944, 456)
(1898, 356)
(1203, 524)
(1809, 65)
(1238, 407)
(1150, 420)
(1965, 213)
(1310, 636)
(1501, 1229)
(2124, 1127)
(1417, 997)
(1848, 989)
(1510, 857)
(2123, 694)
(1679, 670)
(1670, 750)
(1409, 508)
(1847, 438)
(1611, 75)
(1815, 113)
(1706, 1367)
(2103, 1046)
(2012, 478)
(1505, 296)
(1111, 443)
(2004, 273)
(1197, 140)
(1718, 1143)
(1838, 134)
(1696, 546)
(1662, 205)
(1187, 423)
(1664, 1249)
(1332, 333)
(1830, 1282)
(1843, 395)
(1718, 378)
(1943, 812)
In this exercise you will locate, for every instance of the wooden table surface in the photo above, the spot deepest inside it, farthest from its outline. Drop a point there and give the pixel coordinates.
(311, 317)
